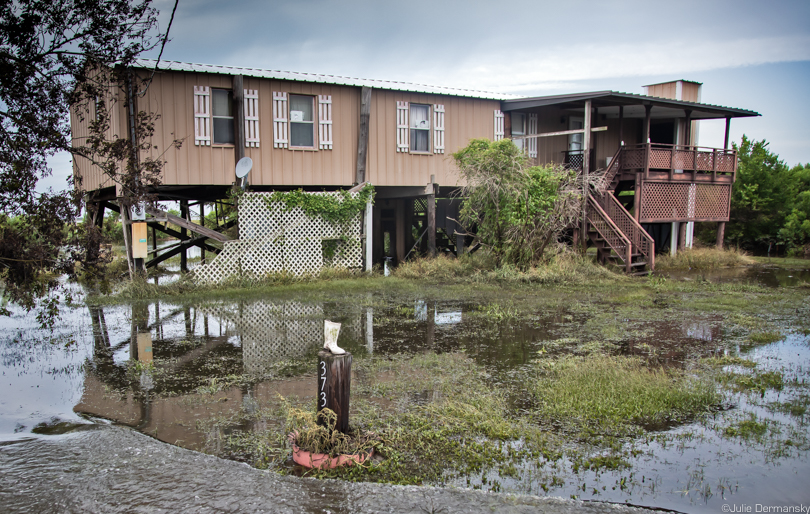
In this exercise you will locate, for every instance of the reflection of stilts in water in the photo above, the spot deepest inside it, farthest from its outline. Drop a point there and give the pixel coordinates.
(102, 351)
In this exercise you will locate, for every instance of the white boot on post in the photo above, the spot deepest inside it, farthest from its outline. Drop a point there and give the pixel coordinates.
(330, 335)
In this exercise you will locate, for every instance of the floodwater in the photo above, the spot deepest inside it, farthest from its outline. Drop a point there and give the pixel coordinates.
(92, 369)
(763, 275)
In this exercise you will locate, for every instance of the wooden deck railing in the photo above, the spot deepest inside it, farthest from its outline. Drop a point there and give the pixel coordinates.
(697, 159)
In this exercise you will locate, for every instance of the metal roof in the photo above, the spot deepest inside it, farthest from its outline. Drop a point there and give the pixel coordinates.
(322, 79)
(616, 98)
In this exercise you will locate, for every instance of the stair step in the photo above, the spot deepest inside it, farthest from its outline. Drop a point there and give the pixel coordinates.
(637, 264)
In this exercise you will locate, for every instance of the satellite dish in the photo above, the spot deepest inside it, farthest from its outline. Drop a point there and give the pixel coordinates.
(243, 167)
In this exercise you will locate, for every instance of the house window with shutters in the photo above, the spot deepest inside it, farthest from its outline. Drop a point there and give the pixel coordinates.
(519, 129)
(420, 128)
(302, 121)
(222, 116)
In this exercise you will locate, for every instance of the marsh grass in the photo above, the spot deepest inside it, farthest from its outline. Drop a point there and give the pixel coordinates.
(704, 258)
(608, 391)
(564, 267)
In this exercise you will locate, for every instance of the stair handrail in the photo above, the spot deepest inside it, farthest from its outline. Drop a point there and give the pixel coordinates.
(612, 169)
(624, 253)
(640, 239)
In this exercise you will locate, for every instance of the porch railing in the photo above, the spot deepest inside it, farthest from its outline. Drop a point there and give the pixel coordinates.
(697, 159)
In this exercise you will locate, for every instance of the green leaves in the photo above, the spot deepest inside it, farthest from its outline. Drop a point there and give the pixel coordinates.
(518, 210)
(338, 209)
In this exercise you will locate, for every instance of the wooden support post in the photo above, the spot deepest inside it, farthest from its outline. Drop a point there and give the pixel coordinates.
(184, 234)
(725, 139)
(637, 197)
(127, 240)
(202, 224)
(154, 241)
(431, 217)
(647, 109)
(672, 162)
(334, 386)
(362, 141)
(238, 118)
(687, 138)
(721, 232)
(682, 235)
(714, 165)
(621, 125)
(399, 225)
(377, 234)
(586, 168)
(694, 162)
(409, 239)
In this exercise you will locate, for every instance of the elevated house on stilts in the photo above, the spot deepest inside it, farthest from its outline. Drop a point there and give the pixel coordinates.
(327, 133)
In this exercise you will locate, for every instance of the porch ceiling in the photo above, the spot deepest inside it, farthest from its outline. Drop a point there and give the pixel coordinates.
(608, 103)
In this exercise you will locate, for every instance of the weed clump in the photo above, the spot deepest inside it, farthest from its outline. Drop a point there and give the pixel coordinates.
(704, 258)
(612, 391)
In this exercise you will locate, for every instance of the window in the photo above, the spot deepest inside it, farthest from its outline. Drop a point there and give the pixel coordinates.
(420, 128)
(519, 129)
(302, 121)
(222, 114)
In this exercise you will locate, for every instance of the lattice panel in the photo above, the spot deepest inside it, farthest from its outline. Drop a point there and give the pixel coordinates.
(274, 239)
(712, 201)
(420, 207)
(660, 158)
(632, 159)
(661, 202)
(683, 160)
(665, 202)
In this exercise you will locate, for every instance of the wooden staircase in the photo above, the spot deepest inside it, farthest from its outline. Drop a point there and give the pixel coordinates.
(618, 237)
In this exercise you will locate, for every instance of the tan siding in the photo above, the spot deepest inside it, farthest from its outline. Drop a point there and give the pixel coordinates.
(690, 91)
(465, 119)
(666, 90)
(80, 118)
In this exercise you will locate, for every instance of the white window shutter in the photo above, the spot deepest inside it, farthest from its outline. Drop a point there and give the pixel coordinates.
(202, 115)
(403, 127)
(498, 125)
(251, 118)
(280, 128)
(532, 130)
(438, 128)
(325, 121)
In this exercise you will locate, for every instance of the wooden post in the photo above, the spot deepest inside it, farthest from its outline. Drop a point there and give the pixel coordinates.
(725, 139)
(682, 235)
(362, 141)
(238, 119)
(431, 217)
(377, 233)
(399, 225)
(721, 232)
(184, 232)
(586, 167)
(647, 146)
(687, 138)
(409, 239)
(637, 199)
(127, 241)
(334, 386)
(621, 125)
(202, 224)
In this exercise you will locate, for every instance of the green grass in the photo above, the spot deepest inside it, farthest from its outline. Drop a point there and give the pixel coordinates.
(612, 391)
(703, 258)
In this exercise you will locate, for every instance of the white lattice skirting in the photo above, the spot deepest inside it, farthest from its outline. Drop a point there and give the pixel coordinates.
(273, 240)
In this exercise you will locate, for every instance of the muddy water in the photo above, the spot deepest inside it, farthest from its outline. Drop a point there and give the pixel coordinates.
(763, 275)
(93, 368)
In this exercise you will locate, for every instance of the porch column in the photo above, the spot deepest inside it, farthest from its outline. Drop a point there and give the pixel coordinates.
(586, 167)
(673, 238)
(725, 140)
(184, 233)
(431, 217)
(721, 232)
(647, 109)
(687, 138)
(682, 235)
(621, 125)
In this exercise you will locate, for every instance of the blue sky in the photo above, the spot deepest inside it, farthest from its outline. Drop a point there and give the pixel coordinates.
(748, 54)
